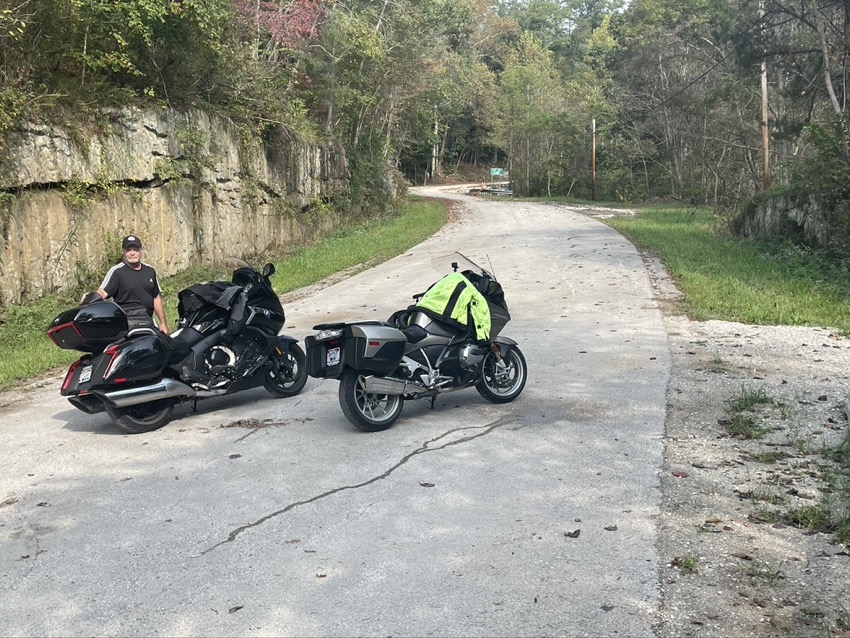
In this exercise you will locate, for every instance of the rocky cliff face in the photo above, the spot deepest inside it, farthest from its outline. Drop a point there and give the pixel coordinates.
(801, 217)
(191, 185)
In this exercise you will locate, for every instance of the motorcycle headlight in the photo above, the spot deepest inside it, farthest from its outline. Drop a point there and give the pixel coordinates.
(326, 335)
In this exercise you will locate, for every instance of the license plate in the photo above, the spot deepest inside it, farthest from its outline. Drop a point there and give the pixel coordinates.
(85, 374)
(332, 358)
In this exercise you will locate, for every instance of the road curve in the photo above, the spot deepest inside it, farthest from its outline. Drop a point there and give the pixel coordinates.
(262, 516)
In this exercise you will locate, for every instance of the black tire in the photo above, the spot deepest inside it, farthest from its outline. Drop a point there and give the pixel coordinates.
(145, 417)
(502, 385)
(369, 412)
(288, 373)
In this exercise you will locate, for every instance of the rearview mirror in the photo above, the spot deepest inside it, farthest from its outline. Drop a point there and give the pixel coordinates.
(268, 270)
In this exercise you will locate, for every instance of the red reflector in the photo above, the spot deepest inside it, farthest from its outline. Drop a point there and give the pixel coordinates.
(374, 343)
(112, 351)
(120, 380)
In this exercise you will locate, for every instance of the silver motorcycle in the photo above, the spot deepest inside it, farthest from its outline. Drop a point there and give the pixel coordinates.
(418, 354)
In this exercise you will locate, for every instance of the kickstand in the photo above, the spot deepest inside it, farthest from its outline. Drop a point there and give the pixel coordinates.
(194, 405)
(433, 398)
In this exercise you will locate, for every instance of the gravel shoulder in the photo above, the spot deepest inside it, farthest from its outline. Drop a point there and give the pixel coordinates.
(742, 551)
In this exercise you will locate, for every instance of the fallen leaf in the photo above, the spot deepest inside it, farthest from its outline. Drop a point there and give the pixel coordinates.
(680, 474)
(233, 610)
(611, 528)
(573, 534)
(234, 456)
(427, 484)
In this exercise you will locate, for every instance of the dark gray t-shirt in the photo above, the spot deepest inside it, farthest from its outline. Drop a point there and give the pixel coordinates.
(133, 290)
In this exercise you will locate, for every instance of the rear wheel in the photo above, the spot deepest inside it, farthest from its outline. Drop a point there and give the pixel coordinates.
(288, 373)
(144, 417)
(369, 412)
(502, 380)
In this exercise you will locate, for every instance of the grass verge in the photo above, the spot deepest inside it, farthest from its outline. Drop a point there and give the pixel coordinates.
(25, 350)
(731, 279)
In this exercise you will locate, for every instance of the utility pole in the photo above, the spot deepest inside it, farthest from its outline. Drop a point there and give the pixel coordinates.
(593, 163)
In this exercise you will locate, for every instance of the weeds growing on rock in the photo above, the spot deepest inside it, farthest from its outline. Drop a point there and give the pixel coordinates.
(718, 366)
(748, 399)
(745, 427)
(687, 564)
(763, 571)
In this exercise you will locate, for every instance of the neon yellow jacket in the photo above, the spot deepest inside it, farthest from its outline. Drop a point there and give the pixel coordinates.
(455, 298)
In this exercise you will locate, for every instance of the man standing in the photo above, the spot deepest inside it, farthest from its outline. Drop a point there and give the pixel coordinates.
(134, 286)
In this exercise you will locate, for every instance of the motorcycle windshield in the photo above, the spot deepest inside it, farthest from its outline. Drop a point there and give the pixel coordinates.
(458, 262)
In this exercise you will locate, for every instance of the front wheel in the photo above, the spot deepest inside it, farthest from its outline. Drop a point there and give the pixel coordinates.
(145, 417)
(502, 379)
(288, 373)
(369, 412)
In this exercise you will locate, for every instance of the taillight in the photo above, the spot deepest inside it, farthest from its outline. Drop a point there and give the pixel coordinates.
(70, 374)
(52, 332)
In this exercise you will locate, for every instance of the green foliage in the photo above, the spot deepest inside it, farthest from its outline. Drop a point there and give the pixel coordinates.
(370, 189)
(168, 170)
(827, 169)
(79, 195)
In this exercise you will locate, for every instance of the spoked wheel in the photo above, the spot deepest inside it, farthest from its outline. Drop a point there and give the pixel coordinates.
(145, 417)
(502, 380)
(288, 373)
(369, 412)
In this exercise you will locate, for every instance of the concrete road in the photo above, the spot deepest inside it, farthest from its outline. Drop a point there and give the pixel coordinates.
(276, 517)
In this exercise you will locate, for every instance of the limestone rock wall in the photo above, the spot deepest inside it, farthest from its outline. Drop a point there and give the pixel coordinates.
(802, 217)
(191, 185)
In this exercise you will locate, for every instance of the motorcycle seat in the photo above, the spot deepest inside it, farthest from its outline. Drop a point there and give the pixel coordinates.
(184, 338)
(136, 332)
(414, 333)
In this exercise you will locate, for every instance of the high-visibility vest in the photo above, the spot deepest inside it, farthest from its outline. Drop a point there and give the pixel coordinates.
(455, 298)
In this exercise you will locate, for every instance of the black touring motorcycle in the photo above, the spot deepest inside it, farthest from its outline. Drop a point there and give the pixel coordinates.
(417, 354)
(227, 340)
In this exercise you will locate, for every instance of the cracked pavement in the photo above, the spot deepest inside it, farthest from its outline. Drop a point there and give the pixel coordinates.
(267, 516)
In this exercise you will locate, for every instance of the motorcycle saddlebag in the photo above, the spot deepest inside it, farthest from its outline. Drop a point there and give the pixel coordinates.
(324, 358)
(88, 328)
(368, 346)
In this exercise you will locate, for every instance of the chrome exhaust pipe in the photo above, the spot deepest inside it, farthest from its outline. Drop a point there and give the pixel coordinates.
(162, 389)
(387, 385)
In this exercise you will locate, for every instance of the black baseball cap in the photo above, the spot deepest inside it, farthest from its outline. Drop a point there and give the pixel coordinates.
(131, 240)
